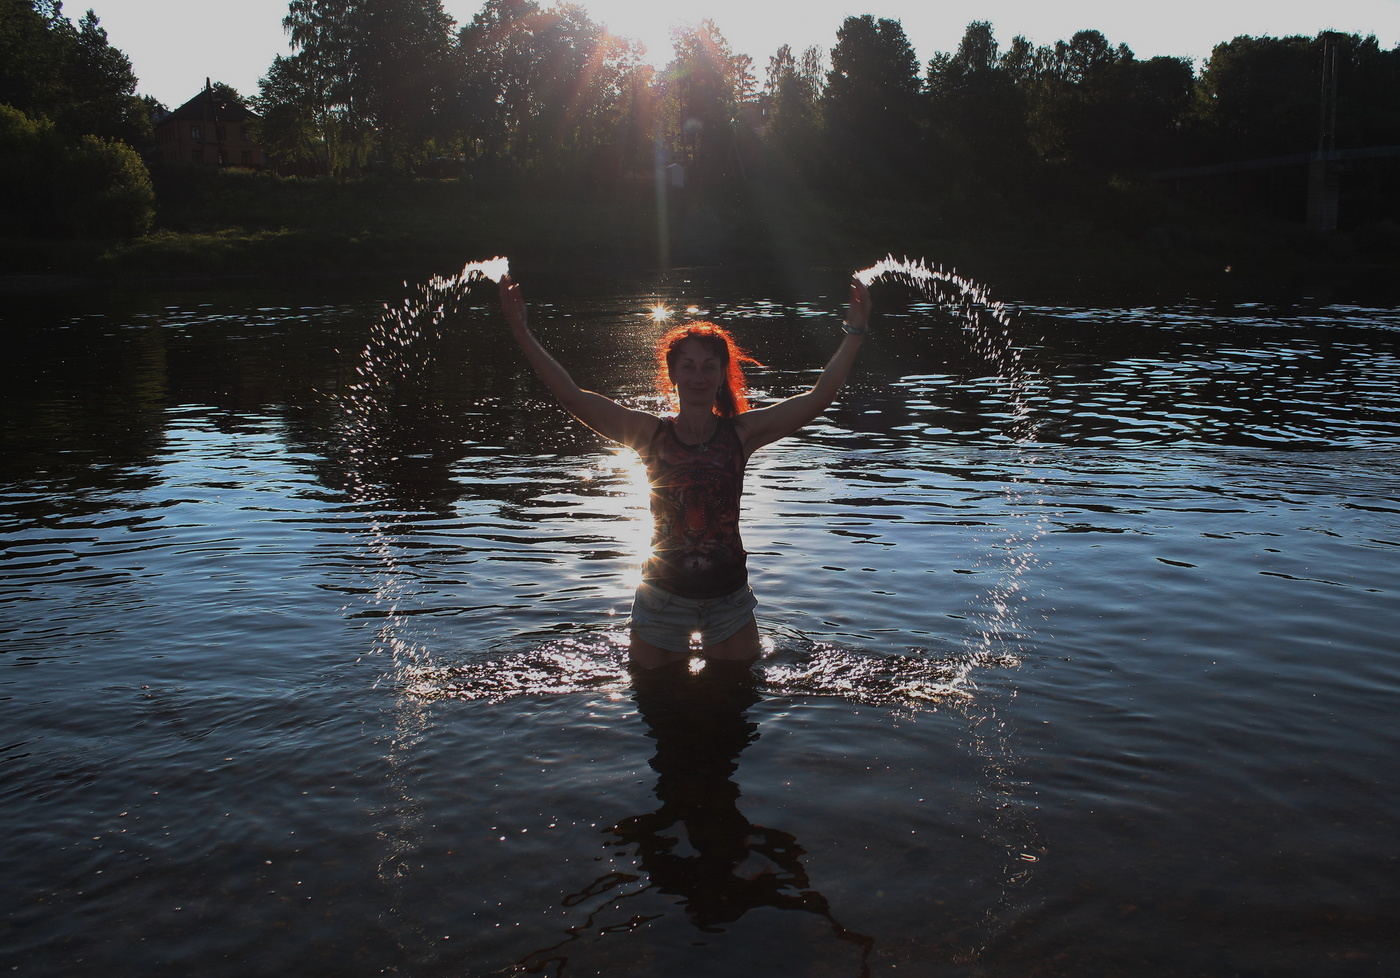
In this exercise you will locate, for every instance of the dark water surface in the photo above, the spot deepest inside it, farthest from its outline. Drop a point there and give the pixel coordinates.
(1083, 661)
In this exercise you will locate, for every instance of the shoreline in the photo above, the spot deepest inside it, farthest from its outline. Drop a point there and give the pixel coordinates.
(424, 228)
(1053, 270)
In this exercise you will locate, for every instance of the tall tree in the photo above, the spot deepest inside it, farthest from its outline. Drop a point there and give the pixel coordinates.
(34, 38)
(373, 72)
(1249, 86)
(324, 75)
(977, 116)
(295, 128)
(1073, 95)
(794, 120)
(1154, 106)
(1261, 96)
(702, 88)
(69, 74)
(409, 71)
(871, 102)
(101, 76)
(780, 65)
(548, 88)
(812, 69)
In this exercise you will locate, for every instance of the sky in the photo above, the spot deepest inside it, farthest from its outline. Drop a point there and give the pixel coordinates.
(236, 40)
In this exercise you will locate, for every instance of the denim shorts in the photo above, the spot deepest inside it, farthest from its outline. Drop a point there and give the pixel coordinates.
(668, 621)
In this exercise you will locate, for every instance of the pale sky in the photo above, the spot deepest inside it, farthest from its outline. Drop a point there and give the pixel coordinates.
(174, 44)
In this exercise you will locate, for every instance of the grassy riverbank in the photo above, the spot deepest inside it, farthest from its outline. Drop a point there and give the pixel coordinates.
(234, 223)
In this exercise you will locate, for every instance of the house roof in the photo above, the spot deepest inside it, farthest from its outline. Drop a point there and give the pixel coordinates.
(208, 106)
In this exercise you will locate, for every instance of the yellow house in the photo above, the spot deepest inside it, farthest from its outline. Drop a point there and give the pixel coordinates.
(209, 129)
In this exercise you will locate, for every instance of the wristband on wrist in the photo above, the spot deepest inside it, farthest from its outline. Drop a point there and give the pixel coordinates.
(851, 329)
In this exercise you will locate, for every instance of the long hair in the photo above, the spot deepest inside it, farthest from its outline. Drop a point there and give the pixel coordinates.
(732, 397)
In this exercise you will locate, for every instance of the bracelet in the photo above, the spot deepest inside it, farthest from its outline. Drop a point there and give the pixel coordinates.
(851, 329)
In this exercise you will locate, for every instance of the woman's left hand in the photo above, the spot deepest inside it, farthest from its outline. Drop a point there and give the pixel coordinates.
(858, 315)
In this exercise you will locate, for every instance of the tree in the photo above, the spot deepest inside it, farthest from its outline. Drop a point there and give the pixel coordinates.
(329, 38)
(1157, 104)
(1261, 96)
(701, 89)
(55, 185)
(101, 76)
(1368, 90)
(551, 89)
(72, 75)
(69, 119)
(782, 64)
(813, 70)
(1093, 105)
(291, 130)
(409, 78)
(977, 114)
(34, 38)
(1019, 61)
(871, 101)
(630, 120)
(794, 120)
(371, 73)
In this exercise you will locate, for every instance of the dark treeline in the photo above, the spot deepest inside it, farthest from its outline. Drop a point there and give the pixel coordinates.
(526, 96)
(71, 126)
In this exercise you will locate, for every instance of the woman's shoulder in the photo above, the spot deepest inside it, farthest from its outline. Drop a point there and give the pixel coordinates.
(656, 429)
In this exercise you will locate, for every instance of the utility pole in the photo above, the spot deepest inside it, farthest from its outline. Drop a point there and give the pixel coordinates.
(1323, 189)
(1327, 116)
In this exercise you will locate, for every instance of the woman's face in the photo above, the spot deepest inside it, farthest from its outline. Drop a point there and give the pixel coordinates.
(696, 373)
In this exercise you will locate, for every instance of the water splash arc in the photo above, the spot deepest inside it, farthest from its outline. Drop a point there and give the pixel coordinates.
(393, 366)
(987, 325)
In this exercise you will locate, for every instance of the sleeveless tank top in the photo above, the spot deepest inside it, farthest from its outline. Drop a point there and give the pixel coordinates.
(696, 551)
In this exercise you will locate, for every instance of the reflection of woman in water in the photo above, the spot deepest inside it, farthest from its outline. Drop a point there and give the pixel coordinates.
(697, 845)
(696, 579)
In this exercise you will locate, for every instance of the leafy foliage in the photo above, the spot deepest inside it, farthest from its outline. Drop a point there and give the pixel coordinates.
(701, 90)
(366, 76)
(543, 94)
(871, 105)
(55, 185)
(69, 119)
(70, 74)
(548, 90)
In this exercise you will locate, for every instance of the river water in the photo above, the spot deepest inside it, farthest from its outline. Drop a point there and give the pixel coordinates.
(1081, 641)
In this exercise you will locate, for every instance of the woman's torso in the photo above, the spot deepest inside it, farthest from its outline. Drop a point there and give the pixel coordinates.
(697, 551)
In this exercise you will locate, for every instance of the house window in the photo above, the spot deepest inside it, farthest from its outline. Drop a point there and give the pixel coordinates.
(246, 157)
(219, 133)
(195, 133)
(197, 156)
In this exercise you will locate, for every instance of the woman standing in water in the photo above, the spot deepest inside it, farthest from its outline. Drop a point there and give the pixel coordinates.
(696, 579)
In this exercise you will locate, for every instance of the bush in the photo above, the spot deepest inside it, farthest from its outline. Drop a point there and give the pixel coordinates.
(53, 185)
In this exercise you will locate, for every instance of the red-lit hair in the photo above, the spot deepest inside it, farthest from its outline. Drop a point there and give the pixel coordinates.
(732, 398)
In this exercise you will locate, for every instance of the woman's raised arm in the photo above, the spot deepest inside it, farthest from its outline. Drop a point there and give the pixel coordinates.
(602, 414)
(765, 425)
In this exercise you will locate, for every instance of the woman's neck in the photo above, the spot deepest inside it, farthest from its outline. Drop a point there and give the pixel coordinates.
(694, 414)
(695, 424)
